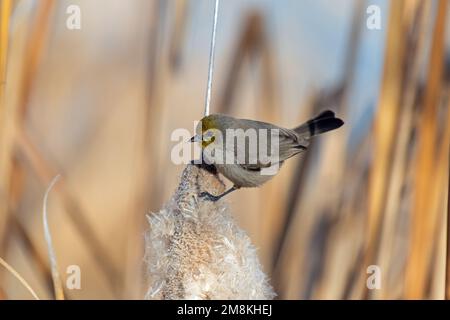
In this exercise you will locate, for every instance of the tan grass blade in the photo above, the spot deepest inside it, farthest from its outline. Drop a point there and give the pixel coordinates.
(18, 277)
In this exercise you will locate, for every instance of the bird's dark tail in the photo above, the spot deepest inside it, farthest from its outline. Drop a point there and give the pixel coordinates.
(324, 122)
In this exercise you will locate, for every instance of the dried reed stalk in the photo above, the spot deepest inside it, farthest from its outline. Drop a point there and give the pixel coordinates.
(5, 131)
(425, 215)
(436, 287)
(388, 255)
(447, 269)
(385, 130)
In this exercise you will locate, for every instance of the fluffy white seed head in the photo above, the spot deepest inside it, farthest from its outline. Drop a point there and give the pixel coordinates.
(195, 250)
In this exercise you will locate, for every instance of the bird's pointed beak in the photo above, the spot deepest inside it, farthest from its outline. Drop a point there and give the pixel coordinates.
(195, 138)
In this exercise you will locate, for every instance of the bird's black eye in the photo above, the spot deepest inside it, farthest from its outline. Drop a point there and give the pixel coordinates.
(213, 138)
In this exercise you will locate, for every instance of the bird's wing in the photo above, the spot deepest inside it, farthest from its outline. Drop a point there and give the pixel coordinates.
(289, 142)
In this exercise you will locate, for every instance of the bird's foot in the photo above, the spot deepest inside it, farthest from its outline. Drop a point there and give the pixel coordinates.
(209, 196)
(214, 198)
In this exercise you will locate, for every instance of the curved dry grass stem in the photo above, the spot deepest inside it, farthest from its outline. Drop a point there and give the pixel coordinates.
(18, 277)
(57, 284)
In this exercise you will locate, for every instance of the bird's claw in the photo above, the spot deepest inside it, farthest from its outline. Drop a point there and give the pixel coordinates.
(209, 196)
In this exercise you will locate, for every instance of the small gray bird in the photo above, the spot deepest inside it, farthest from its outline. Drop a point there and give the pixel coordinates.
(249, 152)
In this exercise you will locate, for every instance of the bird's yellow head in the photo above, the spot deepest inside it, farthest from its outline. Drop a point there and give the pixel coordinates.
(206, 130)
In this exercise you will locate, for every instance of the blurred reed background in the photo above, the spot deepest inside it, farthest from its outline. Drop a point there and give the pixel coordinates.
(98, 105)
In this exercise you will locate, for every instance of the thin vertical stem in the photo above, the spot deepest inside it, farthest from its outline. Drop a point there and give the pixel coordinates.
(211, 60)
